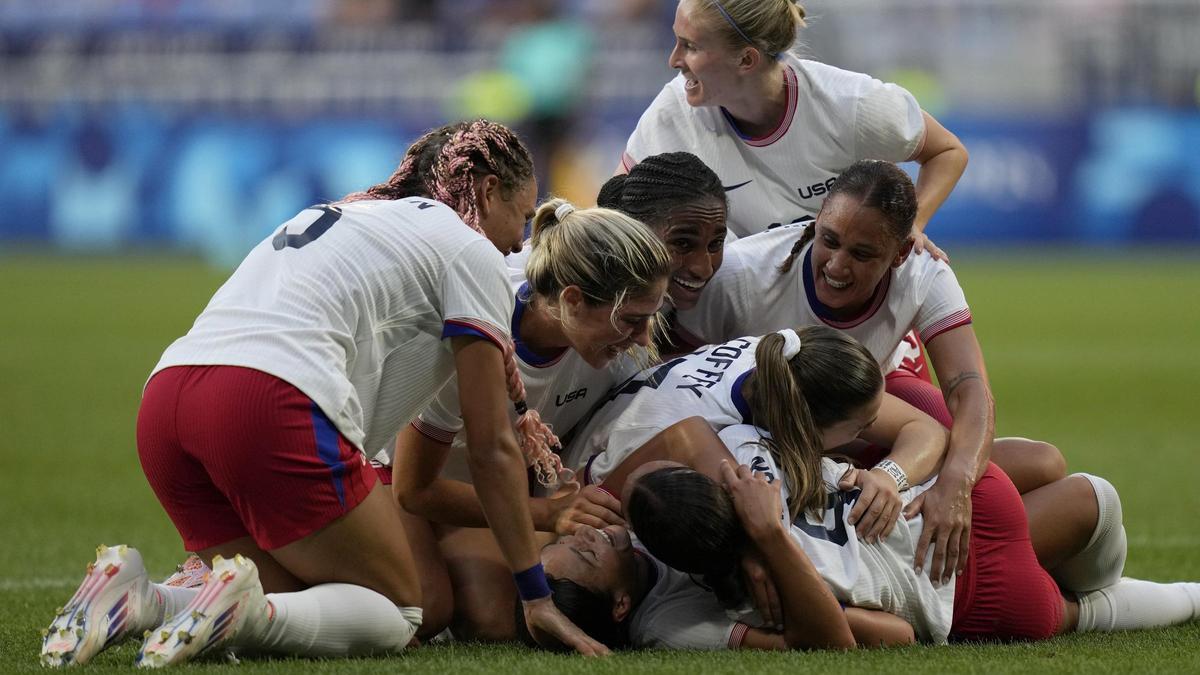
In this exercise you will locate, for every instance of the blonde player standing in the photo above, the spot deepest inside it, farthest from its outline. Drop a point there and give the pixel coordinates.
(778, 129)
(333, 332)
(593, 281)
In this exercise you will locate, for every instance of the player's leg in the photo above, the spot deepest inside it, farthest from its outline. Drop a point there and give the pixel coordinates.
(483, 589)
(1029, 464)
(313, 507)
(437, 594)
(1062, 518)
(1004, 594)
(1084, 512)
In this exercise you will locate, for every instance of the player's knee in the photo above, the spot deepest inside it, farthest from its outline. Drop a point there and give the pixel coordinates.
(1051, 464)
(1029, 463)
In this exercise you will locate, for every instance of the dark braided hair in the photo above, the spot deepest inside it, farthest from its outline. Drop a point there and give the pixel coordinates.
(878, 185)
(444, 163)
(660, 183)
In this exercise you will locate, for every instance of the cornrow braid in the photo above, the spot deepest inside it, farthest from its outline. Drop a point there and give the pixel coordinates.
(444, 163)
(884, 186)
(806, 236)
(660, 183)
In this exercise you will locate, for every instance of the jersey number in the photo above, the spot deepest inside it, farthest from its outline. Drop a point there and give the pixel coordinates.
(329, 216)
(835, 505)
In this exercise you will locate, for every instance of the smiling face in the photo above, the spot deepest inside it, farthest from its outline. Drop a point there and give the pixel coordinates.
(852, 250)
(503, 219)
(708, 66)
(601, 335)
(599, 560)
(695, 235)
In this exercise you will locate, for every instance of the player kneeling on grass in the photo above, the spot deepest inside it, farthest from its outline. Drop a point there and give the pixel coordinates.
(332, 333)
(828, 587)
(585, 302)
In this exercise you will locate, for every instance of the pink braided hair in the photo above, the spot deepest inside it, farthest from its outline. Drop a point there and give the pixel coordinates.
(450, 179)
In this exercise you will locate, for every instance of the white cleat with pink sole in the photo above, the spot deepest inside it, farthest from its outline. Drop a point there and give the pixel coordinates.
(229, 602)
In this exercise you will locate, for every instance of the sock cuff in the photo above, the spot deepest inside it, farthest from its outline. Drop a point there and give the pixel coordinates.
(413, 615)
(1109, 503)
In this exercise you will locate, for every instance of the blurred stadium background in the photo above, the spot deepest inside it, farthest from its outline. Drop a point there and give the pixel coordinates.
(146, 145)
(198, 125)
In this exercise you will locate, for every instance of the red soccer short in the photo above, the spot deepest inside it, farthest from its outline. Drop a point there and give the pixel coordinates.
(232, 451)
(919, 393)
(1003, 594)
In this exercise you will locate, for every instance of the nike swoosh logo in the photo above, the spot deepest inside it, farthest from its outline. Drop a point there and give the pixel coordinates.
(729, 188)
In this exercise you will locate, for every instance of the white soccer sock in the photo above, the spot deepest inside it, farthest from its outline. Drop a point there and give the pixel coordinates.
(169, 600)
(1131, 604)
(1101, 562)
(334, 620)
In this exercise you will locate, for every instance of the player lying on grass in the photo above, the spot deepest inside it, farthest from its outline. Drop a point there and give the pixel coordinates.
(741, 381)
(333, 332)
(828, 586)
(593, 281)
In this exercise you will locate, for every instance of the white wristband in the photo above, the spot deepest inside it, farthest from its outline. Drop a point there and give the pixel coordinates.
(893, 469)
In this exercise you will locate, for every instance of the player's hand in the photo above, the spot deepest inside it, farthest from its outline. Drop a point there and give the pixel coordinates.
(923, 243)
(762, 589)
(878, 507)
(946, 509)
(590, 506)
(554, 631)
(758, 503)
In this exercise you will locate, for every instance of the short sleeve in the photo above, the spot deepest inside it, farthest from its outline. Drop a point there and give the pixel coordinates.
(944, 306)
(442, 418)
(889, 124)
(657, 130)
(692, 620)
(714, 318)
(476, 296)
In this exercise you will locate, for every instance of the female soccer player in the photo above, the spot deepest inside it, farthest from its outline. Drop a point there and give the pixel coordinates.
(333, 332)
(778, 129)
(592, 283)
(682, 200)
(693, 525)
(742, 380)
(854, 268)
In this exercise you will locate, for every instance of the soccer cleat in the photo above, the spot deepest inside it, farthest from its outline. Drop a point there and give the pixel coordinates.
(191, 574)
(229, 601)
(114, 601)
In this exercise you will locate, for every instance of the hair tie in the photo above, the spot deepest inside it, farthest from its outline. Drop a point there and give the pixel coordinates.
(791, 343)
(729, 19)
(564, 209)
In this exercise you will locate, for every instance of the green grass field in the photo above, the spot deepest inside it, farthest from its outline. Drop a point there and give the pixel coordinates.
(1099, 354)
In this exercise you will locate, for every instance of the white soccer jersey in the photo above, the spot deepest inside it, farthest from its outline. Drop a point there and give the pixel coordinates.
(873, 576)
(707, 383)
(834, 118)
(351, 304)
(561, 388)
(749, 296)
(679, 613)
